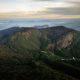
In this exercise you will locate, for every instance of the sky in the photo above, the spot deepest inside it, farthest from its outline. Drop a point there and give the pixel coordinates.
(48, 9)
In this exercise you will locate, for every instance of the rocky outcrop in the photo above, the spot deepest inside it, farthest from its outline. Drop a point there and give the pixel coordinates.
(66, 41)
(63, 42)
(51, 46)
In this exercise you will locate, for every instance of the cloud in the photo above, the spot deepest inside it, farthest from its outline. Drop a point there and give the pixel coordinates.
(67, 10)
(16, 14)
(40, 9)
(36, 15)
(54, 0)
(63, 11)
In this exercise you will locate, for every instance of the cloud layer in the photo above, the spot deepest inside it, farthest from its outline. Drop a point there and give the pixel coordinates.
(39, 8)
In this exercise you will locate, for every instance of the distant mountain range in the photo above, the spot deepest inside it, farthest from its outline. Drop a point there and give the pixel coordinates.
(37, 54)
(40, 27)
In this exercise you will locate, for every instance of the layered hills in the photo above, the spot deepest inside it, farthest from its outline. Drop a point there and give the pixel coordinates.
(36, 53)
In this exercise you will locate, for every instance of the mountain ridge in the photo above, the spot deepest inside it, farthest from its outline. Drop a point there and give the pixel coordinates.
(40, 39)
(40, 54)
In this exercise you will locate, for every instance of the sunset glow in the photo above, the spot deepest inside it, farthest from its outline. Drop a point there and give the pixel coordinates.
(53, 9)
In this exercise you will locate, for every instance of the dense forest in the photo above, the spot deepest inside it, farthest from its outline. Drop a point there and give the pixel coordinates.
(40, 54)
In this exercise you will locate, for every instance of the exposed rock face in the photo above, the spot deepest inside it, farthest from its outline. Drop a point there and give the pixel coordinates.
(63, 43)
(26, 34)
(51, 46)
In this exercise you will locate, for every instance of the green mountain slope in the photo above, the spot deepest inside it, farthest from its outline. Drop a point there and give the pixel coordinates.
(6, 32)
(62, 41)
(24, 40)
(36, 54)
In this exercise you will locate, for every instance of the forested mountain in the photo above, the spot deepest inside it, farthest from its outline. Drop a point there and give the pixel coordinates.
(7, 32)
(40, 54)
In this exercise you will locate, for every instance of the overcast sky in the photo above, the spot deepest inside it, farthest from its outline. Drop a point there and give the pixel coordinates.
(50, 9)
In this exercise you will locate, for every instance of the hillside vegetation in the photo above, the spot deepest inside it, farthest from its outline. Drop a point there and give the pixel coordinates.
(40, 54)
